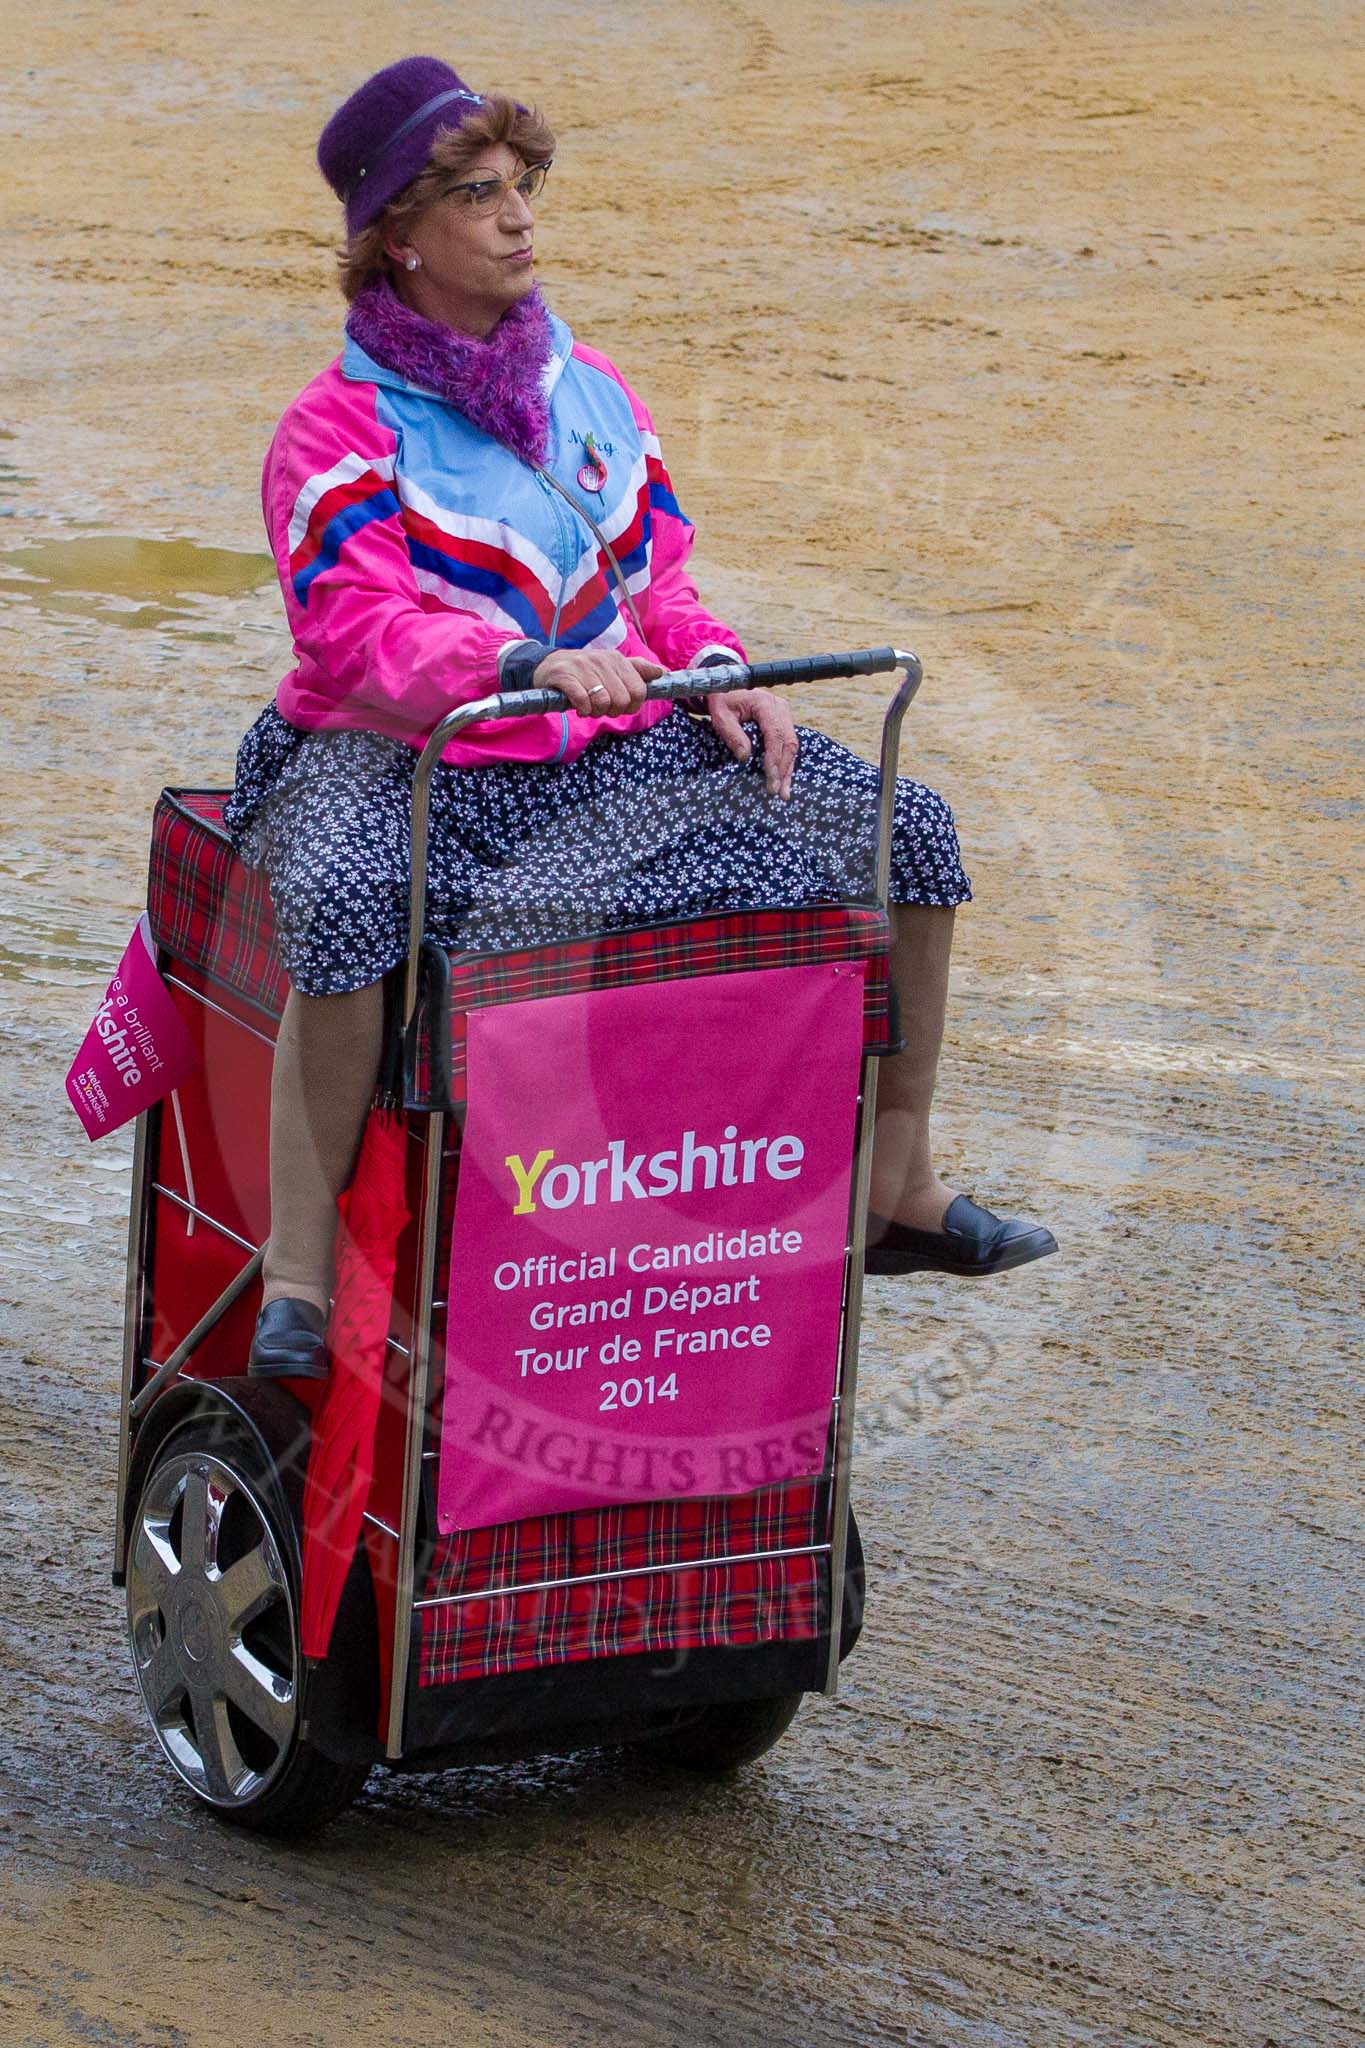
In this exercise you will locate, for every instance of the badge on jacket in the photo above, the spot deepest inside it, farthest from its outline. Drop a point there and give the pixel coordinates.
(593, 474)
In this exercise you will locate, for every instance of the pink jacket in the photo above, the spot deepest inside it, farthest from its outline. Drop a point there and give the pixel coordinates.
(412, 548)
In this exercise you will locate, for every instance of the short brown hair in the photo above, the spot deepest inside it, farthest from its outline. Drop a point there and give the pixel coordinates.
(500, 119)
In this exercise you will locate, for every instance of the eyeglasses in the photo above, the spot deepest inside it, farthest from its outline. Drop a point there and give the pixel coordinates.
(486, 194)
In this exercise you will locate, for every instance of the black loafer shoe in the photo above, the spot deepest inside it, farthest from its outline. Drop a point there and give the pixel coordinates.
(288, 1342)
(971, 1242)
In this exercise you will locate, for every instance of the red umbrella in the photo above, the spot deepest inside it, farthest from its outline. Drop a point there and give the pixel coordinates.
(373, 1213)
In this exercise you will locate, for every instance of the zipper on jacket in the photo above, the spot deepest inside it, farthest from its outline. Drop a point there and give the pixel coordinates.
(564, 530)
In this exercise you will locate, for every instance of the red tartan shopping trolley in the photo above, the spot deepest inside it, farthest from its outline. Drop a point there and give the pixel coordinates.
(580, 1473)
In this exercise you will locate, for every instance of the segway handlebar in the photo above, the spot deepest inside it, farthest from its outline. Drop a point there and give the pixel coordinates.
(680, 684)
(737, 675)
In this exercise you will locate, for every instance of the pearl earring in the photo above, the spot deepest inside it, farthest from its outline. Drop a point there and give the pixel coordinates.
(412, 262)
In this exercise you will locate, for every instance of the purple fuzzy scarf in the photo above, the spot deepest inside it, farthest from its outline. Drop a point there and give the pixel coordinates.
(498, 384)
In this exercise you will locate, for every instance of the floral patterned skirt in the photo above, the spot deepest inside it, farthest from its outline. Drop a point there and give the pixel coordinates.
(640, 828)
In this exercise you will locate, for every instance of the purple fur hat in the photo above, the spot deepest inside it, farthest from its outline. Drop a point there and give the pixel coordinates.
(379, 139)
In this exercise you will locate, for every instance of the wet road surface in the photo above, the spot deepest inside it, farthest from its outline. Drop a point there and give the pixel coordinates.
(1038, 354)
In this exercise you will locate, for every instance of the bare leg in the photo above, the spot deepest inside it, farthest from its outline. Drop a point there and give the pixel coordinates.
(326, 1067)
(905, 1186)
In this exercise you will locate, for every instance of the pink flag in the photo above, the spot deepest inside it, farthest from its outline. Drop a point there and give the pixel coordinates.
(136, 1050)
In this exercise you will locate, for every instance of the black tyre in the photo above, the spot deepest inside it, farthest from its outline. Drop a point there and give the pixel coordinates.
(212, 1582)
(713, 1741)
(723, 1738)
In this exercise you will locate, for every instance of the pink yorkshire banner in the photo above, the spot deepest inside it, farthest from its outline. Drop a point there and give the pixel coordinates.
(647, 1266)
(136, 1050)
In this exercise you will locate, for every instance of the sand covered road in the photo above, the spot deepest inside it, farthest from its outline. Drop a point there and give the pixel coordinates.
(1029, 333)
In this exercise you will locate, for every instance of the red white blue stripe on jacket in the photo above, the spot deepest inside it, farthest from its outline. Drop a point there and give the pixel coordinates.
(331, 508)
(412, 547)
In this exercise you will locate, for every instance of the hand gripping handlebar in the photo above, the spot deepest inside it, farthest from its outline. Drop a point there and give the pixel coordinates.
(739, 675)
(693, 682)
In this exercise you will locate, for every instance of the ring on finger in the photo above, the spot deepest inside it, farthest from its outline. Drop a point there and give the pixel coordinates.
(598, 690)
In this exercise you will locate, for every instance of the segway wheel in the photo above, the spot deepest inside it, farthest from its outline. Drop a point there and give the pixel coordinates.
(212, 1582)
(725, 1737)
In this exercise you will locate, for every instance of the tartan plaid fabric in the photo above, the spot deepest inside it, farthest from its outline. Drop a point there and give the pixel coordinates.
(205, 906)
(728, 943)
(209, 909)
(715, 945)
(703, 1606)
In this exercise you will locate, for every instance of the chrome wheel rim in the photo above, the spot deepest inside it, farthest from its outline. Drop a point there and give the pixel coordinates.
(211, 1621)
